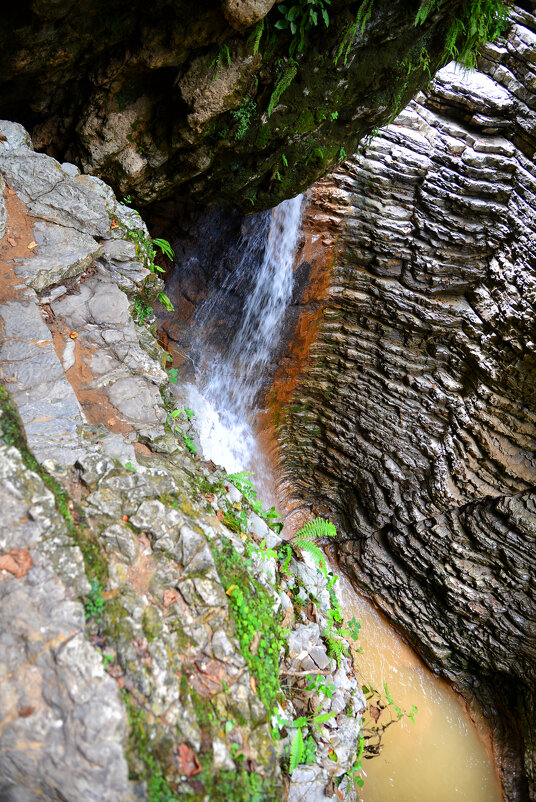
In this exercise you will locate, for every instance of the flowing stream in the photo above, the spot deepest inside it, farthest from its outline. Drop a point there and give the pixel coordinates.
(442, 758)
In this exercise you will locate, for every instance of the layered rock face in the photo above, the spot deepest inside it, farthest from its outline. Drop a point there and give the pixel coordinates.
(209, 101)
(415, 423)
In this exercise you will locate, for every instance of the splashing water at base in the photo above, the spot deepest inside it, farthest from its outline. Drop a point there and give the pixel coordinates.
(229, 384)
(441, 758)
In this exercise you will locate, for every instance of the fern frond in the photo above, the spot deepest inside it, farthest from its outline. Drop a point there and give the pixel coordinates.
(315, 529)
(316, 554)
(256, 36)
(283, 83)
(297, 751)
(364, 13)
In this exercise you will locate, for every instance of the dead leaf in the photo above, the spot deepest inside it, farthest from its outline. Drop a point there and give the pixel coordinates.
(209, 497)
(254, 647)
(26, 711)
(3, 138)
(219, 515)
(170, 597)
(73, 335)
(207, 676)
(188, 764)
(12, 241)
(375, 712)
(113, 224)
(115, 671)
(32, 245)
(17, 561)
(253, 685)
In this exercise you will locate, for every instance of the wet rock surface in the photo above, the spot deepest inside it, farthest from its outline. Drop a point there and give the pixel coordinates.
(415, 421)
(206, 102)
(126, 673)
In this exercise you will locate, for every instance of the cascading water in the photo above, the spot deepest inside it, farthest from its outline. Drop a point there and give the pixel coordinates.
(228, 384)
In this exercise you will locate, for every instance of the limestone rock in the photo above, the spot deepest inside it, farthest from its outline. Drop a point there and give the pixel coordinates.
(244, 13)
(101, 500)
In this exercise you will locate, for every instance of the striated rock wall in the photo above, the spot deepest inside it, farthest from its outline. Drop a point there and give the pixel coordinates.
(415, 422)
(191, 101)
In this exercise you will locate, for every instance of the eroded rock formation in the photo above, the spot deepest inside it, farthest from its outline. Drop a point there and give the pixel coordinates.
(415, 421)
(190, 100)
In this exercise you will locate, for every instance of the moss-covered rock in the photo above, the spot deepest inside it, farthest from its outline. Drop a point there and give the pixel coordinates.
(171, 101)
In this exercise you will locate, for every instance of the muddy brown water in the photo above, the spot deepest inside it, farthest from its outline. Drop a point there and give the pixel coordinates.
(444, 756)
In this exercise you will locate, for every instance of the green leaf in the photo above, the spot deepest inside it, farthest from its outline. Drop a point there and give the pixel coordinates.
(281, 24)
(164, 246)
(299, 722)
(297, 751)
(324, 717)
(166, 303)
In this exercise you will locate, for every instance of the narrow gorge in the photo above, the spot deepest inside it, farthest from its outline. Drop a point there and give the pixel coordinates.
(267, 383)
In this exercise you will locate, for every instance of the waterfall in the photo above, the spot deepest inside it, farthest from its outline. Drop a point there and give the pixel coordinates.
(228, 384)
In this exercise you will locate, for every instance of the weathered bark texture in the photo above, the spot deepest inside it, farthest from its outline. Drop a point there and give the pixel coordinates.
(415, 423)
(168, 99)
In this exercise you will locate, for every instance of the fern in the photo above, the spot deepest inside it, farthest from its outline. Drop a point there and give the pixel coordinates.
(311, 531)
(297, 750)
(425, 8)
(256, 36)
(364, 13)
(315, 529)
(346, 42)
(282, 84)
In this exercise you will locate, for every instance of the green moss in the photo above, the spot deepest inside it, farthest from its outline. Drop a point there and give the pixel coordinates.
(241, 786)
(12, 433)
(251, 608)
(143, 763)
(151, 623)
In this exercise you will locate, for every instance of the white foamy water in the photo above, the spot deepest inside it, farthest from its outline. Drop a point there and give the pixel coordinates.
(227, 386)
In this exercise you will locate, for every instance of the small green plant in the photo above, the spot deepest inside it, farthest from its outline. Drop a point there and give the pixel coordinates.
(107, 660)
(189, 443)
(299, 18)
(283, 82)
(130, 467)
(145, 248)
(223, 54)
(243, 115)
(256, 36)
(322, 685)
(173, 375)
(142, 311)
(94, 603)
(259, 633)
(307, 534)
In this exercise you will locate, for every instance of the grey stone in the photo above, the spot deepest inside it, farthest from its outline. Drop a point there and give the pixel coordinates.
(3, 213)
(15, 135)
(308, 784)
(52, 195)
(46, 401)
(61, 254)
(119, 536)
